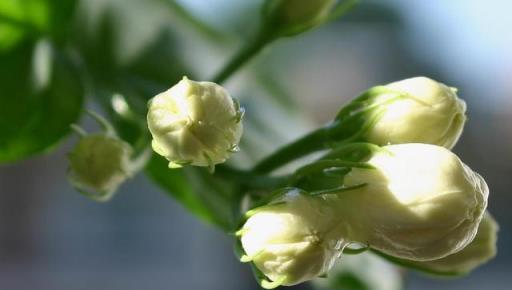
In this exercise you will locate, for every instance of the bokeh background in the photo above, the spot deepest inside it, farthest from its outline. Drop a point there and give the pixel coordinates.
(53, 238)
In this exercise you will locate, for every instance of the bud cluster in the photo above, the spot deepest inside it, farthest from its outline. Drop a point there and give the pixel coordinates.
(414, 201)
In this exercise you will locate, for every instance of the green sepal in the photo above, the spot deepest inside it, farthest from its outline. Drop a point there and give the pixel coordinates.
(353, 152)
(323, 164)
(337, 190)
(355, 119)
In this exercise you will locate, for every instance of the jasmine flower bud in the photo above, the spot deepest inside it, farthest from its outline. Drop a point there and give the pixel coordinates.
(196, 123)
(290, 17)
(99, 163)
(479, 251)
(420, 202)
(426, 111)
(292, 240)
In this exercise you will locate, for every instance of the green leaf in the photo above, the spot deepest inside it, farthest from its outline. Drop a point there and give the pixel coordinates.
(40, 96)
(203, 194)
(361, 272)
(34, 19)
(349, 281)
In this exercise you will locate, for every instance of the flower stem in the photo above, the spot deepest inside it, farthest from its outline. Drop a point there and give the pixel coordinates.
(305, 145)
(244, 55)
(250, 179)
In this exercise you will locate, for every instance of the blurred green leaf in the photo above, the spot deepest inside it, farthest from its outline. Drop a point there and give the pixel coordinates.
(361, 272)
(35, 18)
(348, 281)
(203, 194)
(40, 96)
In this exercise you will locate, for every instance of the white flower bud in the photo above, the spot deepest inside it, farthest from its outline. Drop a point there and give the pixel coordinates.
(290, 17)
(478, 252)
(292, 240)
(419, 203)
(427, 112)
(100, 163)
(195, 123)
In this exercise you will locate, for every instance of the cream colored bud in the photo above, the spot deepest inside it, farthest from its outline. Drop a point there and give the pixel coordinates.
(427, 112)
(419, 203)
(293, 240)
(290, 17)
(100, 163)
(195, 123)
(478, 252)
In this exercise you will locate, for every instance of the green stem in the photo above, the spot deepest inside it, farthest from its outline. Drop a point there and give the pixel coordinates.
(243, 56)
(250, 179)
(305, 145)
(193, 21)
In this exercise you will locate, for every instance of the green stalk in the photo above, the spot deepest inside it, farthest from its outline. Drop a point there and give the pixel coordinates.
(194, 21)
(301, 147)
(250, 179)
(244, 55)
(350, 125)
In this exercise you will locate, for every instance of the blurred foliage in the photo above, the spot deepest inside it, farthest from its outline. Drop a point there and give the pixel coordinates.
(33, 19)
(55, 53)
(209, 198)
(43, 95)
(41, 90)
(361, 272)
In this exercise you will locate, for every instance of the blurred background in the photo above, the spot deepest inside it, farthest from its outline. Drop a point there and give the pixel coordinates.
(53, 238)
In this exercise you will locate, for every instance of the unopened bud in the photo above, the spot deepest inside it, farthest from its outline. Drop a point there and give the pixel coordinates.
(196, 123)
(426, 112)
(98, 165)
(290, 17)
(420, 202)
(293, 239)
(478, 252)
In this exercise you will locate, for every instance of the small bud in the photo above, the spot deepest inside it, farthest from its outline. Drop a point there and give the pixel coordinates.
(478, 252)
(425, 111)
(419, 203)
(99, 163)
(293, 239)
(291, 17)
(195, 123)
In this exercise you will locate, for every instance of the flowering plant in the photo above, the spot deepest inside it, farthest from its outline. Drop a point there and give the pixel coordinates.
(384, 180)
